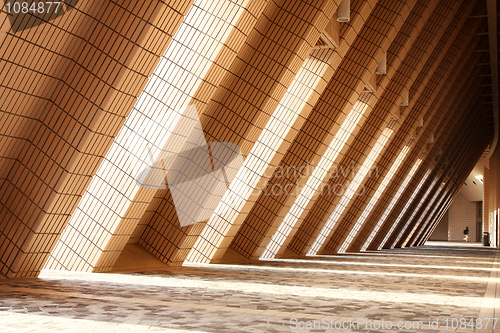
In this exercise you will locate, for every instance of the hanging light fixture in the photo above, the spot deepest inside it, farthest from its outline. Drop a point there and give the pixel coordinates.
(344, 11)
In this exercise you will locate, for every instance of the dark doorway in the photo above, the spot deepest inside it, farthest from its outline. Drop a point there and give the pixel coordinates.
(479, 221)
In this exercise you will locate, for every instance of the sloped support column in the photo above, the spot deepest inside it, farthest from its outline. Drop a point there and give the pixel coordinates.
(65, 110)
(339, 224)
(117, 196)
(334, 107)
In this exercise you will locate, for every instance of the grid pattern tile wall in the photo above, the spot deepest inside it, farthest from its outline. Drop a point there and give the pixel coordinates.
(68, 80)
(259, 227)
(462, 214)
(212, 130)
(148, 130)
(389, 208)
(333, 99)
(374, 199)
(218, 233)
(352, 189)
(316, 182)
(434, 23)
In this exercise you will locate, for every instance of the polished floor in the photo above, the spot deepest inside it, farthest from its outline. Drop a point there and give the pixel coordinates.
(434, 288)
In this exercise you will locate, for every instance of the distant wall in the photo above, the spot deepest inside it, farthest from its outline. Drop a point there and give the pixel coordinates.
(462, 213)
(441, 231)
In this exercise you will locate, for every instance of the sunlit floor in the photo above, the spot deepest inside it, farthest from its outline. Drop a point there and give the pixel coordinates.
(442, 286)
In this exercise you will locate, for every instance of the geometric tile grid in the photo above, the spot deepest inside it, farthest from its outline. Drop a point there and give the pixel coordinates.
(439, 113)
(401, 146)
(95, 93)
(259, 227)
(393, 197)
(334, 99)
(66, 87)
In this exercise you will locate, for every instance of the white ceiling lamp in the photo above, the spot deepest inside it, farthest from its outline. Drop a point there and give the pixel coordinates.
(382, 65)
(344, 11)
(480, 178)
